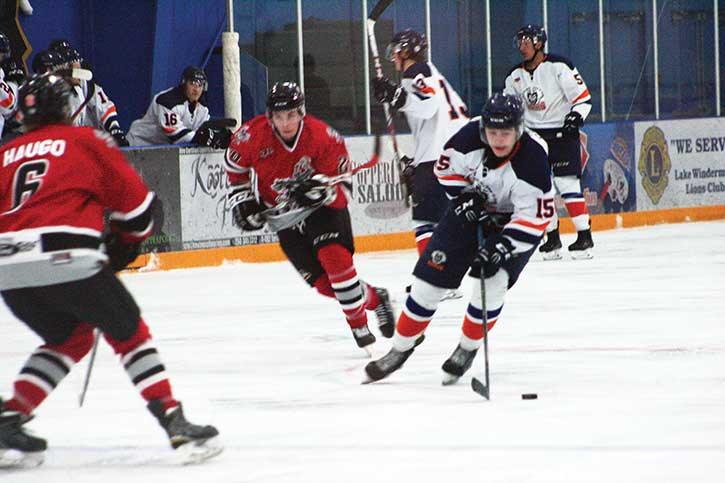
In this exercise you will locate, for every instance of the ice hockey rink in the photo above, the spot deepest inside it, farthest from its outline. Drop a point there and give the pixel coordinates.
(626, 353)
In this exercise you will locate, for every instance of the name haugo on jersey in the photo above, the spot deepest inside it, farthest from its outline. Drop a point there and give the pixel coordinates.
(54, 147)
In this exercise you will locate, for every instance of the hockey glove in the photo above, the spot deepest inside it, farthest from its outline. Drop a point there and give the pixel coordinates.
(217, 138)
(14, 72)
(119, 136)
(572, 122)
(314, 191)
(496, 250)
(386, 91)
(470, 206)
(407, 175)
(120, 254)
(246, 211)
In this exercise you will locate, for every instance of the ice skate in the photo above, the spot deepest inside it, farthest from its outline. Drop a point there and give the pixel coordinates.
(195, 442)
(581, 249)
(364, 338)
(384, 313)
(17, 447)
(386, 365)
(551, 249)
(457, 365)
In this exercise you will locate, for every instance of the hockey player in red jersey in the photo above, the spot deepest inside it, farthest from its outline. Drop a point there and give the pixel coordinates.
(56, 181)
(288, 158)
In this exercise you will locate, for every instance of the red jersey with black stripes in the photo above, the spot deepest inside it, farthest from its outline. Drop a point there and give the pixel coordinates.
(258, 158)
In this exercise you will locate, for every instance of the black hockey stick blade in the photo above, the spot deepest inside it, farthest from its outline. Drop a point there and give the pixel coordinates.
(221, 122)
(480, 388)
(379, 9)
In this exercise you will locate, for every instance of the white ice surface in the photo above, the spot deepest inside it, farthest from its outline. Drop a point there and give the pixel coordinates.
(626, 352)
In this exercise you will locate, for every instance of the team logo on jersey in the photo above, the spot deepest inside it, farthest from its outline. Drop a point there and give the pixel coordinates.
(9, 247)
(266, 152)
(654, 163)
(242, 136)
(534, 98)
(303, 167)
(437, 260)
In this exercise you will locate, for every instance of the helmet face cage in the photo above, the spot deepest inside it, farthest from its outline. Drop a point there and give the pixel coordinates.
(44, 99)
(535, 33)
(285, 96)
(406, 40)
(195, 76)
(66, 55)
(503, 111)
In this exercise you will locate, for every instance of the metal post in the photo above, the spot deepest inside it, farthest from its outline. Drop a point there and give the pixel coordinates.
(366, 64)
(428, 30)
(230, 15)
(545, 15)
(716, 15)
(300, 51)
(489, 75)
(602, 80)
(655, 50)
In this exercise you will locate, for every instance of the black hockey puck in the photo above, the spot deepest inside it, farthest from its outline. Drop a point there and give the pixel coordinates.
(531, 395)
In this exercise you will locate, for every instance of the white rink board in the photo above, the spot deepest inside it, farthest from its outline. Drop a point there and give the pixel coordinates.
(680, 163)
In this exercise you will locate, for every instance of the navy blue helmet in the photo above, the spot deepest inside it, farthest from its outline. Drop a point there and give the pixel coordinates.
(530, 31)
(503, 111)
(194, 75)
(284, 96)
(408, 40)
(45, 61)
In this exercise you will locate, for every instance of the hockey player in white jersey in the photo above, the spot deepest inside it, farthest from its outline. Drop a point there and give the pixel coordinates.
(434, 111)
(12, 76)
(557, 102)
(179, 115)
(498, 176)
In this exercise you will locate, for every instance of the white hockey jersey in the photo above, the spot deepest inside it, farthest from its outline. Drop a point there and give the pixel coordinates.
(8, 100)
(168, 120)
(434, 110)
(549, 92)
(519, 189)
(99, 113)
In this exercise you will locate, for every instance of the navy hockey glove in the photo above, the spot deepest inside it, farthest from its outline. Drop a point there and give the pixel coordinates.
(14, 72)
(120, 254)
(496, 250)
(572, 122)
(470, 206)
(246, 211)
(314, 191)
(119, 136)
(386, 91)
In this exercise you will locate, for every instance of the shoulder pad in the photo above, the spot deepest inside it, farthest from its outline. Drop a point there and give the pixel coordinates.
(171, 97)
(467, 139)
(559, 59)
(417, 68)
(512, 69)
(531, 164)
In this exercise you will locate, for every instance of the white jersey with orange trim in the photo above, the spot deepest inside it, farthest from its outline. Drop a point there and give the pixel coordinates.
(550, 92)
(99, 113)
(434, 110)
(519, 188)
(8, 99)
(170, 119)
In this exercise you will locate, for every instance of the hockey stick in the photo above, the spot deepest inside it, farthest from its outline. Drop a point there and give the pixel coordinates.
(484, 389)
(82, 396)
(389, 121)
(89, 95)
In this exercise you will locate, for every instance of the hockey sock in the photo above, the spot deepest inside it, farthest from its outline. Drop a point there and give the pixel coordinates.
(419, 308)
(46, 367)
(143, 365)
(472, 329)
(571, 193)
(423, 233)
(323, 287)
(348, 289)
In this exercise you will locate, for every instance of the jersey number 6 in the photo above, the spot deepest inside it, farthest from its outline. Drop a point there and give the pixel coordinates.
(28, 179)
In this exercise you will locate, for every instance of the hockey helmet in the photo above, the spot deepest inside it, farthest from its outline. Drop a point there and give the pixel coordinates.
(536, 33)
(67, 55)
(503, 111)
(59, 44)
(44, 99)
(408, 40)
(194, 75)
(284, 96)
(45, 61)
(5, 50)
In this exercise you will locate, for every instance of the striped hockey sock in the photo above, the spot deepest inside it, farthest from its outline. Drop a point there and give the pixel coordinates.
(472, 329)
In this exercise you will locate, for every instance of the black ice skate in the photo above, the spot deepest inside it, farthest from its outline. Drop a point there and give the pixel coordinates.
(384, 313)
(581, 249)
(17, 447)
(192, 439)
(363, 337)
(386, 365)
(551, 249)
(457, 365)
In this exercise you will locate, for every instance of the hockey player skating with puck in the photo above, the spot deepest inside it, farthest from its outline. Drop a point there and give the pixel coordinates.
(289, 157)
(498, 175)
(56, 181)
(557, 102)
(434, 111)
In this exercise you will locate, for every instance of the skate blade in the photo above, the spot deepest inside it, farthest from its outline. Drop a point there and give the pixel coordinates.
(449, 379)
(12, 458)
(452, 295)
(194, 453)
(552, 255)
(582, 254)
(368, 351)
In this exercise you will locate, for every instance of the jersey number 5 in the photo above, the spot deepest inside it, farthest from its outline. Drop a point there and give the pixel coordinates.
(27, 181)
(545, 208)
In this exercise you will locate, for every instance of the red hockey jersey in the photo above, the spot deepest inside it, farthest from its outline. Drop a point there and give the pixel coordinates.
(55, 183)
(258, 157)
